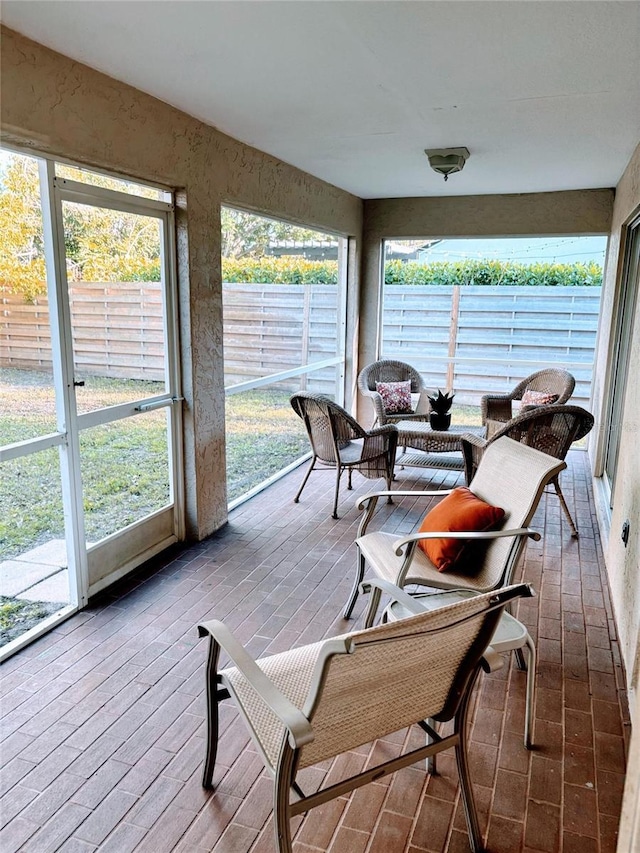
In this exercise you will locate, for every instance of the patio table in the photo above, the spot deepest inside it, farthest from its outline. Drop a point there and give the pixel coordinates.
(428, 448)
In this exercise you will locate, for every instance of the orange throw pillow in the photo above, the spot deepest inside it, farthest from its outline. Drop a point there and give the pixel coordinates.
(457, 512)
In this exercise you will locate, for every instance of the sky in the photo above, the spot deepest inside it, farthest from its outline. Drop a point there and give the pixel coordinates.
(523, 250)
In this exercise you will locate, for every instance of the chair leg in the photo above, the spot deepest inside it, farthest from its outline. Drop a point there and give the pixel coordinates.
(389, 478)
(565, 508)
(531, 686)
(431, 761)
(335, 498)
(306, 477)
(349, 486)
(348, 610)
(281, 809)
(374, 601)
(212, 715)
(425, 725)
(471, 815)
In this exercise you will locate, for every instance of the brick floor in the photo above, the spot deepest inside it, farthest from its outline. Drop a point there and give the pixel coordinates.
(103, 719)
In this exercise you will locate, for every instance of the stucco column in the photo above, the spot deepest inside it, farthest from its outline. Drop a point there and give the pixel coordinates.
(202, 366)
(370, 295)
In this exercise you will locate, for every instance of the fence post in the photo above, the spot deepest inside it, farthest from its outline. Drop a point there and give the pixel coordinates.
(306, 331)
(453, 334)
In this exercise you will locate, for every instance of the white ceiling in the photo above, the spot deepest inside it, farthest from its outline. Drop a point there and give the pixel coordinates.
(546, 95)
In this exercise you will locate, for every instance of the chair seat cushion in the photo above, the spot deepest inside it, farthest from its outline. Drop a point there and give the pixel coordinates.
(459, 511)
(396, 397)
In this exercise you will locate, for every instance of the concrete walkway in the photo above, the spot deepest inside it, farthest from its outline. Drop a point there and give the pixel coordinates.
(40, 574)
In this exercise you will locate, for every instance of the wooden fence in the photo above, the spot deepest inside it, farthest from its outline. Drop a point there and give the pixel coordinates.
(270, 328)
(117, 331)
(473, 339)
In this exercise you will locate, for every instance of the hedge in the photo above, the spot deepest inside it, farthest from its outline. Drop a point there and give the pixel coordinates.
(288, 270)
(493, 272)
(292, 270)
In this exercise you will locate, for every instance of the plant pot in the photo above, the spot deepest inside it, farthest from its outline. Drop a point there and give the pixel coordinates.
(439, 422)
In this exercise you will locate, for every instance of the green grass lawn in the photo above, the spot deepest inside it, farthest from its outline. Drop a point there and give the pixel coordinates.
(16, 617)
(264, 435)
(124, 465)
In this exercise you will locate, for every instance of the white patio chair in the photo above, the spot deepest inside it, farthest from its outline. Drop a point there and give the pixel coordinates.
(510, 635)
(510, 475)
(316, 702)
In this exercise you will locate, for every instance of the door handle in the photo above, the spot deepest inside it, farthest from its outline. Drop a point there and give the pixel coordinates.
(78, 383)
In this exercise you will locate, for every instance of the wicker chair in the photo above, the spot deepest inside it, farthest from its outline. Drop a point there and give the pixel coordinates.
(338, 440)
(393, 371)
(551, 429)
(498, 408)
(313, 703)
(510, 475)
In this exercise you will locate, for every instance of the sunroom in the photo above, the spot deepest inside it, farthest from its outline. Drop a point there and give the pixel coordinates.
(104, 715)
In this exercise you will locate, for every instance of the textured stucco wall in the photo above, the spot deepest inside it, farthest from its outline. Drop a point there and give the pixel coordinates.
(64, 109)
(623, 564)
(525, 215)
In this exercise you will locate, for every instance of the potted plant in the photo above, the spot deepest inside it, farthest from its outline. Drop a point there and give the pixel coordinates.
(440, 415)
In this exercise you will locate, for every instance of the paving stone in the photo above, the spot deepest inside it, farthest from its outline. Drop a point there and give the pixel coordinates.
(17, 576)
(54, 588)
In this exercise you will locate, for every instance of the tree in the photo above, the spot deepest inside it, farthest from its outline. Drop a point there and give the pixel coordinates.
(100, 244)
(22, 268)
(248, 235)
(110, 245)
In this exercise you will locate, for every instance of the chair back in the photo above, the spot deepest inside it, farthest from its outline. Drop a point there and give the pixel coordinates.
(513, 476)
(551, 429)
(552, 380)
(497, 409)
(388, 370)
(399, 673)
(329, 426)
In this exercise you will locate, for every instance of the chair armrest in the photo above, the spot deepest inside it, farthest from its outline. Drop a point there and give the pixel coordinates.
(397, 594)
(376, 586)
(475, 440)
(496, 407)
(497, 398)
(402, 493)
(399, 544)
(378, 406)
(386, 429)
(292, 718)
